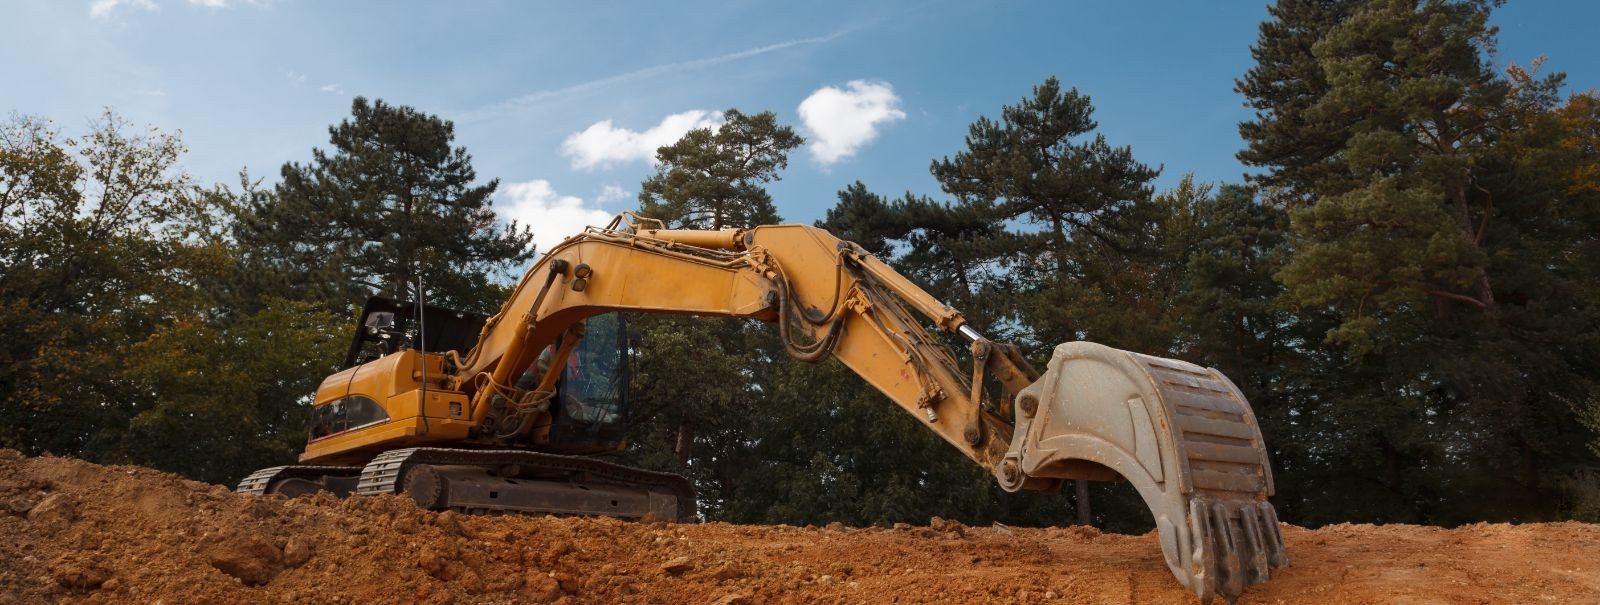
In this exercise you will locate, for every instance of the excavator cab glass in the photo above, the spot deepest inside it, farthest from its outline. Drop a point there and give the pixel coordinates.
(345, 414)
(389, 325)
(591, 400)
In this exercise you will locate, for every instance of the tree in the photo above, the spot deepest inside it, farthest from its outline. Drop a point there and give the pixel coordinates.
(865, 218)
(111, 266)
(392, 201)
(89, 260)
(1033, 164)
(1285, 82)
(238, 392)
(701, 383)
(1433, 257)
(1217, 250)
(714, 178)
(956, 251)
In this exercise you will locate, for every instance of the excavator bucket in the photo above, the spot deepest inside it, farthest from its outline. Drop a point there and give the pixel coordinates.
(1181, 434)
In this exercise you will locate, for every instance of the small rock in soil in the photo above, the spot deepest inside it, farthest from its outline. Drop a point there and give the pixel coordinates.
(541, 588)
(71, 573)
(252, 560)
(55, 512)
(296, 552)
(677, 566)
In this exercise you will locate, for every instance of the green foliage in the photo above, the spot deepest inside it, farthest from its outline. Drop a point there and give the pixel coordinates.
(696, 395)
(1437, 262)
(390, 202)
(118, 351)
(158, 323)
(955, 251)
(89, 261)
(713, 178)
(1034, 165)
(212, 384)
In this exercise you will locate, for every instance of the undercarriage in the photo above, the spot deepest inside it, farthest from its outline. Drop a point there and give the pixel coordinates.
(493, 482)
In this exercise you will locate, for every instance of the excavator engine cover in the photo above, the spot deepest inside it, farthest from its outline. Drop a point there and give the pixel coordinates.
(1182, 435)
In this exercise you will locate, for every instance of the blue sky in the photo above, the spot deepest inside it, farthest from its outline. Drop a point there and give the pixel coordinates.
(559, 101)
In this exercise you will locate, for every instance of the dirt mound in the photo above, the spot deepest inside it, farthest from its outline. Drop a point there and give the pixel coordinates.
(79, 532)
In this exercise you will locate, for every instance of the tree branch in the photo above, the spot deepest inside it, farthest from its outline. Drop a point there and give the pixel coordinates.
(1488, 206)
(1458, 297)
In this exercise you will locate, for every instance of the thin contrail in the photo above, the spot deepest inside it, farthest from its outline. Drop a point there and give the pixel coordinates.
(512, 105)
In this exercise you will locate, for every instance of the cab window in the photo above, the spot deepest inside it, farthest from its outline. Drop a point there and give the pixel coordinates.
(594, 381)
(343, 414)
(360, 411)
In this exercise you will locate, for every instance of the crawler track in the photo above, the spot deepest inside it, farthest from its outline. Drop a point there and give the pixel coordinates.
(259, 481)
(384, 474)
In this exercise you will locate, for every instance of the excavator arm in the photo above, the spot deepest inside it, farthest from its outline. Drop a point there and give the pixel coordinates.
(1182, 435)
(828, 297)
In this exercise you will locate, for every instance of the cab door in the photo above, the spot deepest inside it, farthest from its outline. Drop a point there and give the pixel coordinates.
(591, 401)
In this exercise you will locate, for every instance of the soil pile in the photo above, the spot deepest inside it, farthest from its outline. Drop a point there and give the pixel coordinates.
(79, 532)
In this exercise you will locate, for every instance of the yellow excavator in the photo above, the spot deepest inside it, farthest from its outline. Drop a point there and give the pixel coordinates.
(499, 414)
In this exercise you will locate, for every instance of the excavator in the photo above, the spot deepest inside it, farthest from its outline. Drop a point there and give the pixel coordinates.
(502, 414)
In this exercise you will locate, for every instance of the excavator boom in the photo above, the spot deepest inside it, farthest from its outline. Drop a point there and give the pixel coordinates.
(448, 423)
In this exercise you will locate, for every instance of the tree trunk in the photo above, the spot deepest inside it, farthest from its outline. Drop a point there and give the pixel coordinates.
(1060, 251)
(1085, 516)
(681, 448)
(1464, 221)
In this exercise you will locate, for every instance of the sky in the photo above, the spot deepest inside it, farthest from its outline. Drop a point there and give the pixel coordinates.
(565, 103)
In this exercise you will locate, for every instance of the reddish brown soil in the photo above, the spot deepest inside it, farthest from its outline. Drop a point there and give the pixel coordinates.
(78, 532)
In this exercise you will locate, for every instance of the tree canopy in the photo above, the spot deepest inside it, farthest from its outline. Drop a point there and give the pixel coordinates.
(713, 177)
(390, 202)
(1435, 259)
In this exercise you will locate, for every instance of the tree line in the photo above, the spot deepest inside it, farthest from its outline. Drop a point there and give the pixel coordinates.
(1404, 286)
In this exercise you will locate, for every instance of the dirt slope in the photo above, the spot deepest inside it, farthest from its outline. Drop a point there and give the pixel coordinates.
(78, 532)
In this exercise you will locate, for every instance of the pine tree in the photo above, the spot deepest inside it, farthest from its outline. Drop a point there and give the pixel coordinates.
(865, 218)
(391, 201)
(1431, 262)
(703, 384)
(1285, 82)
(1033, 164)
(714, 178)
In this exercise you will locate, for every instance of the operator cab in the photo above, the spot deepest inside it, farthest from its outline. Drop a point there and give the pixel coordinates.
(388, 326)
(589, 408)
(591, 400)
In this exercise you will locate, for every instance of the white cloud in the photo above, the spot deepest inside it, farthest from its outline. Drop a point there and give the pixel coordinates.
(101, 9)
(602, 143)
(332, 88)
(295, 77)
(552, 217)
(840, 121)
(611, 193)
